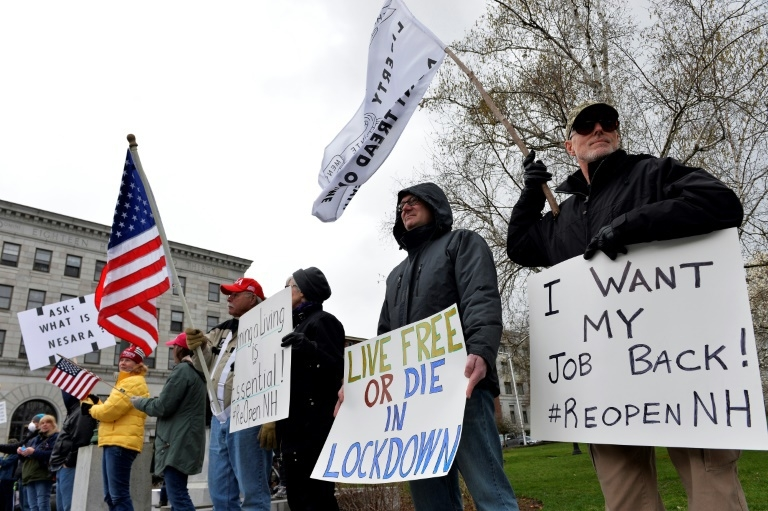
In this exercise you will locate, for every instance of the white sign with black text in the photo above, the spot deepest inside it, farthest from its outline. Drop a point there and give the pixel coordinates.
(65, 328)
(654, 348)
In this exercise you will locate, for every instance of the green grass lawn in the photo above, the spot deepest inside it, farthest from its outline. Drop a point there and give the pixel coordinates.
(564, 482)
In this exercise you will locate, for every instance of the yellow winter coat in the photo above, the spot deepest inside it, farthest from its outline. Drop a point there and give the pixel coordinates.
(119, 422)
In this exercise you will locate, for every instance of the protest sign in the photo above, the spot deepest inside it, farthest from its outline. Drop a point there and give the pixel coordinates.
(654, 348)
(404, 397)
(65, 328)
(262, 383)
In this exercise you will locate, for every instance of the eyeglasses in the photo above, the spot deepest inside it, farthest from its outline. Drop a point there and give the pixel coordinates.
(232, 296)
(410, 202)
(587, 127)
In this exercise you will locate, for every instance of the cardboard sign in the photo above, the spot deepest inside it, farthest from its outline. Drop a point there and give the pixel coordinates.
(404, 397)
(262, 383)
(654, 348)
(66, 328)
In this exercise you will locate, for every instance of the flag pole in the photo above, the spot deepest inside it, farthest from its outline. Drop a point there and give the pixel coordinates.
(132, 145)
(503, 120)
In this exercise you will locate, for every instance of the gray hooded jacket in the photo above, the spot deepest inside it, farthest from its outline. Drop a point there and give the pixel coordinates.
(444, 267)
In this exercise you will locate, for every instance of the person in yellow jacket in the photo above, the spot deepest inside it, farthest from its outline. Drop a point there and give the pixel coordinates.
(121, 428)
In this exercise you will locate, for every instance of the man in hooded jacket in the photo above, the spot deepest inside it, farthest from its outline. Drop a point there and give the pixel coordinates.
(444, 267)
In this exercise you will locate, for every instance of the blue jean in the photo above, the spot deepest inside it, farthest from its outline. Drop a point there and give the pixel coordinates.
(480, 462)
(238, 465)
(65, 480)
(116, 472)
(37, 494)
(176, 489)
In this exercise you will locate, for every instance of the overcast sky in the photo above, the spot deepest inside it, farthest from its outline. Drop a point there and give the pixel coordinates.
(232, 104)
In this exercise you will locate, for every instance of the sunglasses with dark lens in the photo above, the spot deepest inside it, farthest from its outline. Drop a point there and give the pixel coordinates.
(586, 127)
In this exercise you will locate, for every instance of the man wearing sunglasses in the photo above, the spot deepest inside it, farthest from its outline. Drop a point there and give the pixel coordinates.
(618, 199)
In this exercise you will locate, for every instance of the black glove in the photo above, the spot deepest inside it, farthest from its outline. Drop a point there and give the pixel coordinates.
(607, 241)
(94, 398)
(85, 408)
(298, 342)
(535, 171)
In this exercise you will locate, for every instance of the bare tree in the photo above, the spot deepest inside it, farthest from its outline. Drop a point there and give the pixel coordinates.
(692, 84)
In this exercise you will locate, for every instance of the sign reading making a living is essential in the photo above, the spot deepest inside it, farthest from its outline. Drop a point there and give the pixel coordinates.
(66, 328)
(262, 383)
(404, 397)
(654, 348)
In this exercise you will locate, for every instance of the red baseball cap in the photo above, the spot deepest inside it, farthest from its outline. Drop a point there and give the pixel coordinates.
(180, 340)
(134, 353)
(244, 284)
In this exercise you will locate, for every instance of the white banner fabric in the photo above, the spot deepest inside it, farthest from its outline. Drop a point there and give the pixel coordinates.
(403, 57)
(655, 348)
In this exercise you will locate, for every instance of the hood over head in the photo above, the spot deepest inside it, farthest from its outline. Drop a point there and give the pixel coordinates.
(434, 197)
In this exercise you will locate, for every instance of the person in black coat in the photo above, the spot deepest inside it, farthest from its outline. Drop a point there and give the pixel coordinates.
(76, 432)
(619, 199)
(317, 369)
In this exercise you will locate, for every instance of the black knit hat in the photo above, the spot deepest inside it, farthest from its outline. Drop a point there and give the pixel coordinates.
(312, 284)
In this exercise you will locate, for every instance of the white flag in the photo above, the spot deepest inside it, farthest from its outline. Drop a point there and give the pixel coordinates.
(403, 57)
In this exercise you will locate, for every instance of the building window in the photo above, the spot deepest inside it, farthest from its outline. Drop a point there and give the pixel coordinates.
(10, 255)
(507, 387)
(525, 416)
(213, 292)
(2, 342)
(22, 349)
(211, 322)
(520, 391)
(183, 284)
(65, 296)
(150, 360)
(42, 260)
(177, 321)
(171, 361)
(93, 357)
(97, 271)
(35, 299)
(72, 268)
(119, 349)
(6, 293)
(512, 415)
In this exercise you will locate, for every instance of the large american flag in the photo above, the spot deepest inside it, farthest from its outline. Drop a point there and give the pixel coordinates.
(136, 271)
(72, 378)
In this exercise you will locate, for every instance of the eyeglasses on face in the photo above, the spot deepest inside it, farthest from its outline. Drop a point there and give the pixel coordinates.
(587, 127)
(413, 201)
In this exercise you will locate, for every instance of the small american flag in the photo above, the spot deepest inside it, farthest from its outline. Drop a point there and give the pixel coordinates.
(72, 378)
(136, 272)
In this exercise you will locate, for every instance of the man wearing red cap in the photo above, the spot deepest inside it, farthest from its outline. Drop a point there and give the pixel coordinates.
(236, 462)
(618, 199)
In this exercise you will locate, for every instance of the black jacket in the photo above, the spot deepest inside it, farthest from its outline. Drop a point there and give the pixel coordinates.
(444, 267)
(643, 198)
(316, 376)
(76, 432)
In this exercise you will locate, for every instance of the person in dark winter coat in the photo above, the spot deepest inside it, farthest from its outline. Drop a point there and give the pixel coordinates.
(35, 474)
(8, 464)
(180, 437)
(317, 368)
(13, 446)
(76, 432)
(618, 199)
(443, 267)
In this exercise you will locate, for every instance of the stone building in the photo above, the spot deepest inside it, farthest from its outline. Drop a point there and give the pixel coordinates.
(46, 258)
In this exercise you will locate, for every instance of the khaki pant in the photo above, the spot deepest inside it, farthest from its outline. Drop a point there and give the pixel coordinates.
(627, 476)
